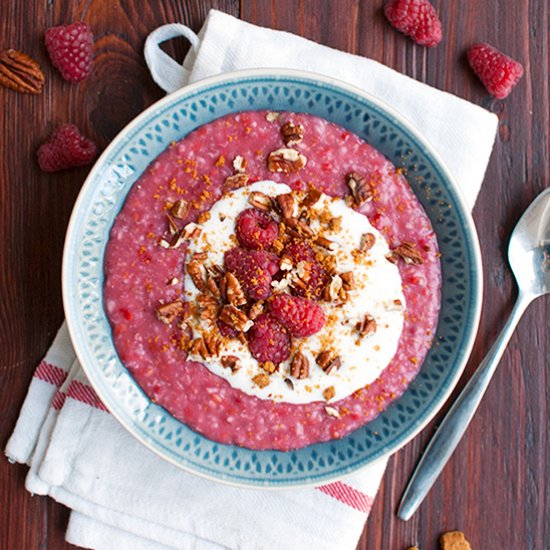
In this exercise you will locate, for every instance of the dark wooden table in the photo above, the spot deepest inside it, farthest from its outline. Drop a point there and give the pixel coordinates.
(496, 486)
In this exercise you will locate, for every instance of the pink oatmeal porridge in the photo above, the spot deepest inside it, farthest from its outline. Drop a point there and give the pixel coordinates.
(272, 281)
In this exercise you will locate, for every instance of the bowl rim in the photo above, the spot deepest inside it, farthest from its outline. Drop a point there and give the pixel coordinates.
(274, 73)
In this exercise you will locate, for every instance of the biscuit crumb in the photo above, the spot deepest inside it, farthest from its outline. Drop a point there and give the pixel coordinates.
(454, 540)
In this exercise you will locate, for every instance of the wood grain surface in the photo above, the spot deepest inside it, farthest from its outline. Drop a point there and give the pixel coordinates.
(496, 486)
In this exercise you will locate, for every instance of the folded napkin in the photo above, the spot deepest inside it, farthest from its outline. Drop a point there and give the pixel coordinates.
(123, 496)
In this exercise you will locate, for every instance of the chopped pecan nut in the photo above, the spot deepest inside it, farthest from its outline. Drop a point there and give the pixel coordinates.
(361, 191)
(172, 225)
(272, 116)
(239, 164)
(299, 366)
(331, 411)
(312, 196)
(213, 287)
(180, 209)
(286, 205)
(234, 317)
(233, 291)
(260, 200)
(269, 367)
(331, 292)
(289, 383)
(261, 380)
(198, 348)
(285, 160)
(208, 307)
(20, 72)
(190, 231)
(366, 326)
(348, 280)
(292, 133)
(197, 272)
(230, 362)
(213, 343)
(235, 182)
(408, 252)
(323, 242)
(167, 313)
(256, 310)
(328, 361)
(329, 393)
(367, 242)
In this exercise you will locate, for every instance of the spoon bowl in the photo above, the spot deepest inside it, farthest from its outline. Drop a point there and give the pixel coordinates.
(529, 258)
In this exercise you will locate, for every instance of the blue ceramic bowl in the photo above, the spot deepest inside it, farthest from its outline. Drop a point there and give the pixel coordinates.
(104, 193)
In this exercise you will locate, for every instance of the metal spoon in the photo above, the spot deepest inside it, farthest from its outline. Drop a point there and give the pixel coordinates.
(529, 257)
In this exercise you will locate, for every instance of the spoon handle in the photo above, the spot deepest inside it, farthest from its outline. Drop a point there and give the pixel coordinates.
(453, 426)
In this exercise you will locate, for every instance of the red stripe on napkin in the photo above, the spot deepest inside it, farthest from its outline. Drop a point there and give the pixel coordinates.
(50, 373)
(348, 495)
(58, 400)
(85, 394)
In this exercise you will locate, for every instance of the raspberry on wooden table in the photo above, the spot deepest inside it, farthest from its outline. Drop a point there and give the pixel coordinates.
(268, 340)
(300, 316)
(415, 18)
(254, 269)
(66, 148)
(498, 72)
(71, 50)
(256, 229)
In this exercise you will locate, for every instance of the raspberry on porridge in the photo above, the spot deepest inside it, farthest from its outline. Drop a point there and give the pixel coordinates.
(272, 281)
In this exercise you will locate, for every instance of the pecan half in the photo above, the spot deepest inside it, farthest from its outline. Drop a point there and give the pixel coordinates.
(261, 380)
(234, 317)
(20, 72)
(361, 191)
(299, 366)
(329, 393)
(292, 133)
(180, 209)
(230, 362)
(235, 182)
(366, 326)
(232, 290)
(285, 160)
(167, 313)
(408, 252)
(328, 361)
(197, 271)
(367, 242)
(260, 200)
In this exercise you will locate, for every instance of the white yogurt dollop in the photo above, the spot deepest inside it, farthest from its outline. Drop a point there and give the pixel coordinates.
(377, 291)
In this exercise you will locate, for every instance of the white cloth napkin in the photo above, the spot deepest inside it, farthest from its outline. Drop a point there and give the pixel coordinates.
(123, 496)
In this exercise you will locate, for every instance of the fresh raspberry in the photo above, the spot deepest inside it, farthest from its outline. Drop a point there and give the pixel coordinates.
(314, 277)
(268, 340)
(300, 316)
(66, 148)
(498, 72)
(254, 269)
(256, 229)
(415, 18)
(71, 50)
